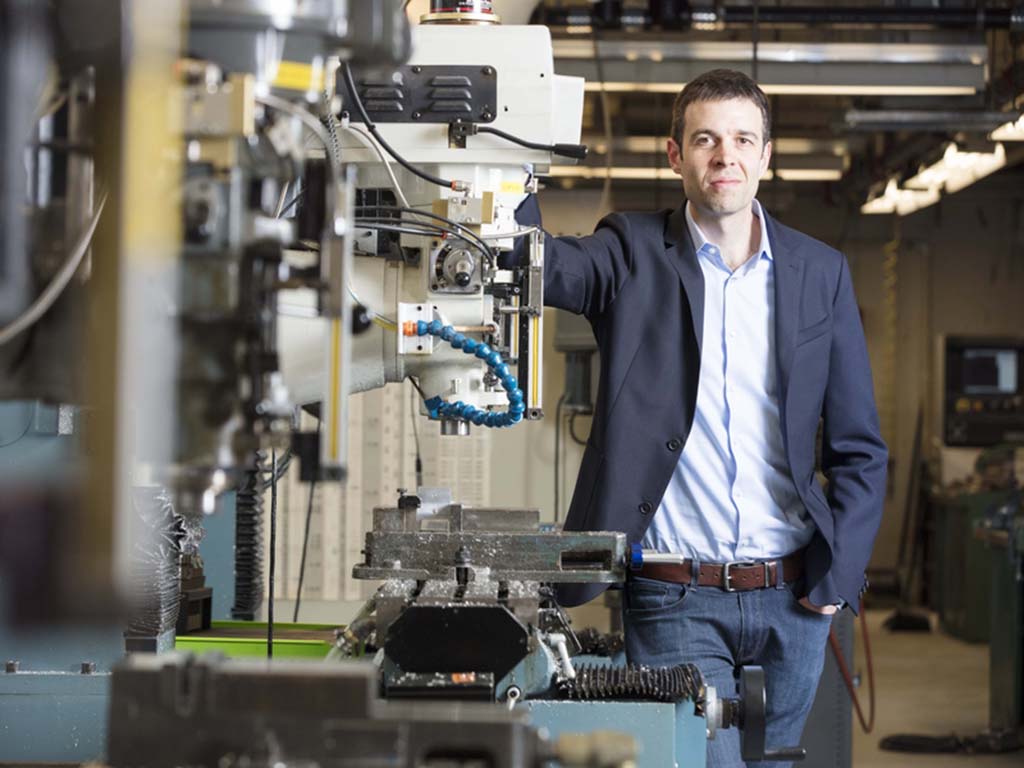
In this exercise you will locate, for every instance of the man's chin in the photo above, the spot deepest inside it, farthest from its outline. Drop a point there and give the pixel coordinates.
(726, 207)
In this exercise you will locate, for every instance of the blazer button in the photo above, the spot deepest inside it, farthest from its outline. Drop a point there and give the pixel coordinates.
(645, 508)
(674, 444)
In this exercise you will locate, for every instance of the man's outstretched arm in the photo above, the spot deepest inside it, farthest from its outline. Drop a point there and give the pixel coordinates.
(581, 274)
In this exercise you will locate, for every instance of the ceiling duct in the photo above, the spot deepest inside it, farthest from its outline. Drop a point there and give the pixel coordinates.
(884, 69)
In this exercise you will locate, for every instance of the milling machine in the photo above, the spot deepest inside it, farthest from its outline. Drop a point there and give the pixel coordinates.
(259, 252)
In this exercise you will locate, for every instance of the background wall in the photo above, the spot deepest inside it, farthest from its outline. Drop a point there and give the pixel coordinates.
(954, 268)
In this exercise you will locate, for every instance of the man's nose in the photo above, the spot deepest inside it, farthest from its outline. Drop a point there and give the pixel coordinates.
(724, 155)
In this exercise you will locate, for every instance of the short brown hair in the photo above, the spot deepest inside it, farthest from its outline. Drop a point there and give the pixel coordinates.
(719, 85)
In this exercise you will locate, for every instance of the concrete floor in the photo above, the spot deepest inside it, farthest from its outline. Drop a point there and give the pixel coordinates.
(926, 684)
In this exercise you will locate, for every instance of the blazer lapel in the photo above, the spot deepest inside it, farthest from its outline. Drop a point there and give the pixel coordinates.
(789, 273)
(683, 257)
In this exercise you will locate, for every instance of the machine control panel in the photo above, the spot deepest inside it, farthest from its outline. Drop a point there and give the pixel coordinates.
(984, 391)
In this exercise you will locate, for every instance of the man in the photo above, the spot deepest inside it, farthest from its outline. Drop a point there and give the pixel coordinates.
(725, 339)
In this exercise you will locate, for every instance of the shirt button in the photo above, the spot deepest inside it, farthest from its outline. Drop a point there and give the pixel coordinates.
(674, 444)
(645, 508)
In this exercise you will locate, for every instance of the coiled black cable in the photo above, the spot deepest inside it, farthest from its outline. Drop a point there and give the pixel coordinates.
(634, 682)
(248, 546)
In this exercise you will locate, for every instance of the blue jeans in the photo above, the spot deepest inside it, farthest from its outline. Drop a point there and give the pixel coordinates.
(668, 624)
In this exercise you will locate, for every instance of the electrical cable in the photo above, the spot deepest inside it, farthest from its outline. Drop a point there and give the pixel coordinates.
(416, 384)
(558, 441)
(281, 200)
(436, 229)
(378, 319)
(282, 469)
(273, 555)
(353, 92)
(451, 223)
(415, 430)
(60, 281)
(406, 227)
(371, 143)
(572, 428)
(575, 151)
(480, 243)
(305, 537)
(288, 205)
(867, 724)
(515, 234)
(25, 431)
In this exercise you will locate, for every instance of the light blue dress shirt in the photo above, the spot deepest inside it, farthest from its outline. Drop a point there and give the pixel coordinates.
(731, 496)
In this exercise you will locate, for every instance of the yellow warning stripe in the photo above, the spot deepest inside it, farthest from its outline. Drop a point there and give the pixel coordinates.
(535, 368)
(295, 76)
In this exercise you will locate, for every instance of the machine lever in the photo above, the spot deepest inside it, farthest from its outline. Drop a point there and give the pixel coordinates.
(786, 754)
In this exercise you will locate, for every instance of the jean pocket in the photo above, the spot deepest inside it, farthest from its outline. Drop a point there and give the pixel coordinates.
(649, 596)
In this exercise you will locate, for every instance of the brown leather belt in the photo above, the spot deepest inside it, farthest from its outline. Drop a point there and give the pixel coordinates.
(732, 577)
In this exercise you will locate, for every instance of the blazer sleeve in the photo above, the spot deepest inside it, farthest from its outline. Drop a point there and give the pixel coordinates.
(854, 456)
(581, 274)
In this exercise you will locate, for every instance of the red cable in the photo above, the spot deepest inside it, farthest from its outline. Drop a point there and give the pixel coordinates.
(869, 724)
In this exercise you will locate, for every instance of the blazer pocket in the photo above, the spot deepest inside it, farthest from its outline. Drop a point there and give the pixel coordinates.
(814, 330)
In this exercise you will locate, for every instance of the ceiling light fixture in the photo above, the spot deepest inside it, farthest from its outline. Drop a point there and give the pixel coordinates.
(900, 201)
(1011, 131)
(957, 169)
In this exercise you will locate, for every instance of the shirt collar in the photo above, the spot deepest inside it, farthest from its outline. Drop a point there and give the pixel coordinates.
(701, 242)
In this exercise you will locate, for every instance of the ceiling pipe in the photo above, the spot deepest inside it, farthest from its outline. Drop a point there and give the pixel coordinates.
(924, 120)
(681, 15)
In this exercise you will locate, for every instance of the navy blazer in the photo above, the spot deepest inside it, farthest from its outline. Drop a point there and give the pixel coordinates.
(637, 281)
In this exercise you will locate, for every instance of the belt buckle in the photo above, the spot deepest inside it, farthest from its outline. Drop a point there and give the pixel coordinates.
(726, 567)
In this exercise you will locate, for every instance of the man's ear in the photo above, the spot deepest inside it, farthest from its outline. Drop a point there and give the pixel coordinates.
(675, 156)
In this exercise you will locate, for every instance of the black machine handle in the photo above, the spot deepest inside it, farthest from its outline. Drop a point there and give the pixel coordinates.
(752, 719)
(790, 754)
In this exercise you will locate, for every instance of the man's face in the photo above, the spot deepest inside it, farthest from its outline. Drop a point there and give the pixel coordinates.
(723, 154)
